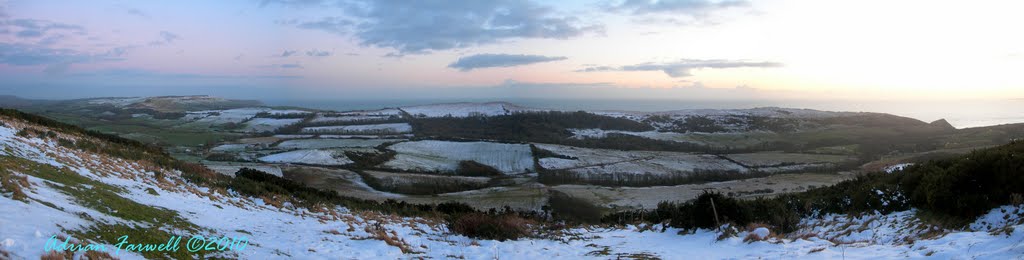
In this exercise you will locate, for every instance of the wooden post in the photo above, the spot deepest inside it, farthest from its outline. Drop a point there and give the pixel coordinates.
(718, 225)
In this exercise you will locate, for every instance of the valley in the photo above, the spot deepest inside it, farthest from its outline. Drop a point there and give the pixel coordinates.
(492, 155)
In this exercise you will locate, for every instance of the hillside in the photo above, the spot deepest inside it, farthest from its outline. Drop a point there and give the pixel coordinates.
(518, 155)
(64, 182)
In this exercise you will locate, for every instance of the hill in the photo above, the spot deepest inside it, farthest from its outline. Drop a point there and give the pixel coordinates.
(62, 182)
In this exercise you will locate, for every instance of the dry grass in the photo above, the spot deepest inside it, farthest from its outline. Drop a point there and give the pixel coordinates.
(503, 227)
(97, 255)
(15, 184)
(58, 255)
(391, 238)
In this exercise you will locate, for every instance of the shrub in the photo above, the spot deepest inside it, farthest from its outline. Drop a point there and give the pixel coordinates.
(486, 226)
(473, 168)
(568, 208)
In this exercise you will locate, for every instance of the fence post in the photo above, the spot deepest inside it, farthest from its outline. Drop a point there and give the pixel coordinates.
(718, 225)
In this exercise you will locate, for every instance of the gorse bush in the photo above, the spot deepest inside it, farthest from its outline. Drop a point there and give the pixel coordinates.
(488, 226)
(473, 168)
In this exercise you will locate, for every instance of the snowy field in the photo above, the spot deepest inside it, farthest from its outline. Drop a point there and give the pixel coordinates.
(259, 125)
(321, 118)
(721, 140)
(284, 231)
(462, 109)
(237, 115)
(311, 156)
(444, 156)
(396, 128)
(332, 143)
(604, 161)
(116, 102)
(230, 148)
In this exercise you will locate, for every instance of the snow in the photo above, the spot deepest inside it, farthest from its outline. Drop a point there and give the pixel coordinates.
(116, 101)
(237, 115)
(444, 156)
(395, 128)
(761, 232)
(258, 125)
(224, 148)
(332, 143)
(462, 109)
(311, 156)
(897, 167)
(287, 112)
(323, 118)
(605, 161)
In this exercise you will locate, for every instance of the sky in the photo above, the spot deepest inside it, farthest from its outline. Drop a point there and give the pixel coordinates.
(351, 49)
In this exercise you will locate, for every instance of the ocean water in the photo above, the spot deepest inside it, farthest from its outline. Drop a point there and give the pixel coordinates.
(959, 113)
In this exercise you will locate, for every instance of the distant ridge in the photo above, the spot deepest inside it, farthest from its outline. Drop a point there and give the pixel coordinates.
(942, 123)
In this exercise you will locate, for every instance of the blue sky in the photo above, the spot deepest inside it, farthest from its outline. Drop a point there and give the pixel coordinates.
(696, 49)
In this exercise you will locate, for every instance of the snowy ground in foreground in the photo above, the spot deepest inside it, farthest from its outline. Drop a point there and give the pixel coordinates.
(433, 155)
(335, 233)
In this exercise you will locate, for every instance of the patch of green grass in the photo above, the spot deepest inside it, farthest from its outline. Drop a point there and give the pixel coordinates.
(97, 195)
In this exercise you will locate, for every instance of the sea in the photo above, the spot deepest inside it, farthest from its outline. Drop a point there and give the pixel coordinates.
(959, 113)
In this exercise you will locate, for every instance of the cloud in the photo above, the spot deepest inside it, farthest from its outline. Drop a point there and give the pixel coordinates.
(318, 53)
(683, 68)
(137, 12)
(150, 74)
(686, 7)
(498, 60)
(423, 26)
(165, 38)
(32, 28)
(288, 53)
(28, 55)
(169, 37)
(56, 60)
(335, 25)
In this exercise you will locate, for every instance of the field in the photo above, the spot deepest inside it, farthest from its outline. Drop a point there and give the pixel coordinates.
(649, 197)
(422, 184)
(396, 128)
(444, 156)
(603, 161)
(331, 143)
(259, 125)
(310, 156)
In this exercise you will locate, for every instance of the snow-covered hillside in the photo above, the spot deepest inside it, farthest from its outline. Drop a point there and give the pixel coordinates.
(48, 191)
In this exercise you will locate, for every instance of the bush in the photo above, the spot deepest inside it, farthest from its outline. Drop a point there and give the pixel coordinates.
(568, 208)
(485, 226)
(473, 168)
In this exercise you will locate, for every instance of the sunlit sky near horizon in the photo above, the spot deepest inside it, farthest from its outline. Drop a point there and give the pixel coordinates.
(693, 49)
